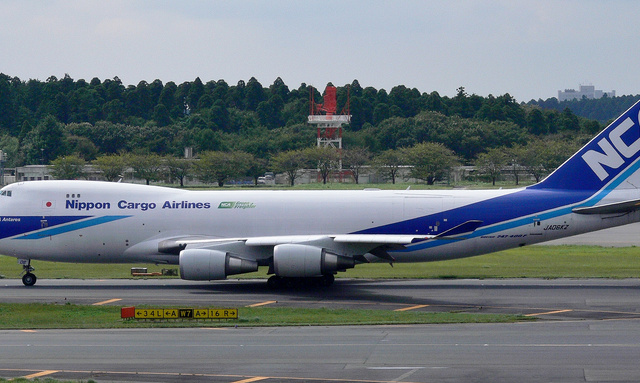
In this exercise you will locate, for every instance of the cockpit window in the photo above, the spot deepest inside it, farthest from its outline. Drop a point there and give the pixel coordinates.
(5, 193)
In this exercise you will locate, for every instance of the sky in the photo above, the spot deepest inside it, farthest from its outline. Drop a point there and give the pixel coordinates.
(529, 49)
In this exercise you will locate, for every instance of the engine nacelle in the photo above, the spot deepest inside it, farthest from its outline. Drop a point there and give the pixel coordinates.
(207, 265)
(293, 260)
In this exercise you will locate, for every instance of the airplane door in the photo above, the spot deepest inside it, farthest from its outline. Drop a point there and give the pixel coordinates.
(536, 227)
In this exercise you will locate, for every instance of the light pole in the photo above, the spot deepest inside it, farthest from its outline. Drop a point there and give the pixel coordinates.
(42, 162)
(3, 158)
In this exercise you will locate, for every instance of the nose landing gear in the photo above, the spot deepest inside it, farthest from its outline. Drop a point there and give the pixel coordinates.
(28, 279)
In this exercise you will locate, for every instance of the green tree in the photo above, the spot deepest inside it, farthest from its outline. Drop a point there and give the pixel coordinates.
(491, 163)
(355, 159)
(81, 147)
(536, 122)
(196, 91)
(569, 121)
(45, 142)
(216, 166)
(257, 168)
(514, 155)
(254, 94)
(161, 115)
(541, 157)
(146, 166)
(67, 168)
(179, 168)
(532, 159)
(112, 166)
(113, 111)
(389, 163)
(10, 146)
(431, 161)
(290, 162)
(325, 159)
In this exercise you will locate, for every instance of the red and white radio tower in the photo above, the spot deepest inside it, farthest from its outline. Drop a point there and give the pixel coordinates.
(328, 122)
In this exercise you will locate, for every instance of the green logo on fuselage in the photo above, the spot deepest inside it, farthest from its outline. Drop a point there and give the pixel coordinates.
(236, 205)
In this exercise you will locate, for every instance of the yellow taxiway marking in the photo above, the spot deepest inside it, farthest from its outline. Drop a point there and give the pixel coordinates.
(39, 374)
(254, 379)
(262, 303)
(548, 313)
(28, 330)
(106, 302)
(412, 308)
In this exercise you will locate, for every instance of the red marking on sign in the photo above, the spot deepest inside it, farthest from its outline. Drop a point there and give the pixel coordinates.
(127, 312)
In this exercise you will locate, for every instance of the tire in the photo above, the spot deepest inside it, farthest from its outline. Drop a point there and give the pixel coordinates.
(274, 282)
(29, 279)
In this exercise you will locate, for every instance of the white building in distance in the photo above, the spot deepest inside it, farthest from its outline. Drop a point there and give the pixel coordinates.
(587, 91)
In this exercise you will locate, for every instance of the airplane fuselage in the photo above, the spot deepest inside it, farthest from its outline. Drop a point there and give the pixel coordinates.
(80, 221)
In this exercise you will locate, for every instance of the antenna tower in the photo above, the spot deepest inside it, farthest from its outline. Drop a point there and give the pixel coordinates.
(329, 124)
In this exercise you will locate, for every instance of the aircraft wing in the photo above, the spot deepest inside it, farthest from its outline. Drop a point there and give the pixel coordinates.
(355, 245)
(175, 245)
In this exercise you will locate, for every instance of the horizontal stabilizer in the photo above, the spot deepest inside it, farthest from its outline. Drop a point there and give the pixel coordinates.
(611, 208)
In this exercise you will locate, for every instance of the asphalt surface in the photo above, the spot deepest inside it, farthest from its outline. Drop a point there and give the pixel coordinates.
(588, 330)
(576, 351)
(561, 299)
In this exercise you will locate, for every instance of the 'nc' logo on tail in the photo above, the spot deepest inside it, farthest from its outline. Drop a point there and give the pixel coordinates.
(614, 149)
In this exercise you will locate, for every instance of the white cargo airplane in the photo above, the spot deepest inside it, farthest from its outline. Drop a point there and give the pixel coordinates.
(315, 234)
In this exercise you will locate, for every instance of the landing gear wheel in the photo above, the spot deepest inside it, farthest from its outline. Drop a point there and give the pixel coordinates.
(275, 282)
(29, 279)
(327, 280)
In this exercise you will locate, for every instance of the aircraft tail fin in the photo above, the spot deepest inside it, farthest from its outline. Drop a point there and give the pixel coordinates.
(610, 157)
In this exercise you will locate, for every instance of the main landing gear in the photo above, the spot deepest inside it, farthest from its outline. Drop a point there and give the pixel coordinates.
(275, 282)
(28, 279)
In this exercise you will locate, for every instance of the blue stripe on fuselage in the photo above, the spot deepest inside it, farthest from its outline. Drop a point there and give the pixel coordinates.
(508, 207)
(504, 212)
(15, 225)
(31, 226)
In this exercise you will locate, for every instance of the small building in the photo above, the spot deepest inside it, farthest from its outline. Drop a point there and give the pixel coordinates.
(33, 173)
(586, 91)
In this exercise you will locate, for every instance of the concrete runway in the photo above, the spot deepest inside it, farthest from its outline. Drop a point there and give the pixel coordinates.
(575, 351)
(588, 330)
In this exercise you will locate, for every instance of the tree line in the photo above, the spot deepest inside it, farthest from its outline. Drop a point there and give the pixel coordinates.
(427, 161)
(41, 121)
(602, 109)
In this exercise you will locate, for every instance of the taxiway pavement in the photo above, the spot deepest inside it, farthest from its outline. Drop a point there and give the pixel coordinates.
(588, 330)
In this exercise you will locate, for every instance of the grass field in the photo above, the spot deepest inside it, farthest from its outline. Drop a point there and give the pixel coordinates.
(525, 262)
(48, 316)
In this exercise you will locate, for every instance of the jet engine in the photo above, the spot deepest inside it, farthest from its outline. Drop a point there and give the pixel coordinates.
(206, 265)
(294, 260)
